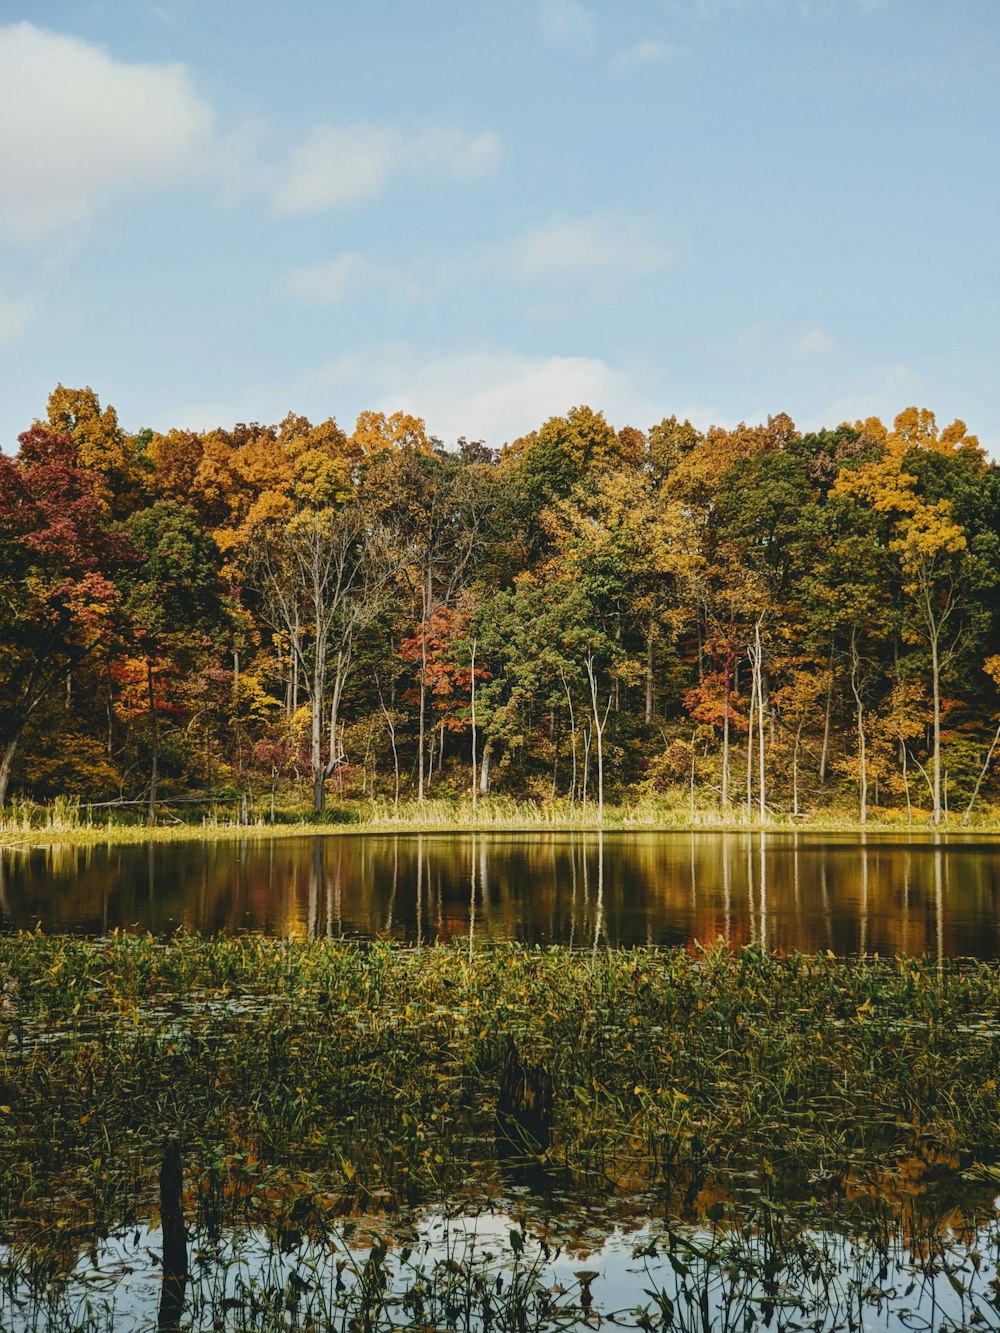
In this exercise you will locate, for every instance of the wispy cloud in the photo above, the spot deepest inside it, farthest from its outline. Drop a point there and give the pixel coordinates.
(345, 278)
(568, 26)
(648, 52)
(343, 165)
(78, 127)
(883, 394)
(814, 343)
(16, 314)
(609, 248)
(606, 243)
(335, 167)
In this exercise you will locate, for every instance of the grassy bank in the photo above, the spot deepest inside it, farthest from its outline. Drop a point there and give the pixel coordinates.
(72, 823)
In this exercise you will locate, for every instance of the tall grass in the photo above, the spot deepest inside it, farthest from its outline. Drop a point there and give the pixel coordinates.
(68, 820)
(313, 1082)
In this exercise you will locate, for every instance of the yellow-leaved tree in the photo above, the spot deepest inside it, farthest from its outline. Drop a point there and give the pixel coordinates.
(929, 544)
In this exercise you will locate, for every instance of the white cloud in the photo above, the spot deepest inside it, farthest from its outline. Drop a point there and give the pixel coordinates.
(882, 394)
(15, 316)
(336, 167)
(459, 155)
(568, 26)
(489, 395)
(648, 51)
(77, 126)
(602, 247)
(814, 343)
(339, 166)
(328, 284)
(595, 244)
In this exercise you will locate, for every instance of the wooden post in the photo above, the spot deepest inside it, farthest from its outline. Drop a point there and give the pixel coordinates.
(175, 1256)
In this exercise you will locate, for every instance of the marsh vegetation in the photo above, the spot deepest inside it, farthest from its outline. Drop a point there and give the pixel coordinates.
(786, 1119)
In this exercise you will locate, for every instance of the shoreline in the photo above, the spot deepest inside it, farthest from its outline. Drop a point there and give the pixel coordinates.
(616, 821)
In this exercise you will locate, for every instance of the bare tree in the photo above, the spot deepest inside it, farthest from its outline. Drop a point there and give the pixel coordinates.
(435, 506)
(321, 575)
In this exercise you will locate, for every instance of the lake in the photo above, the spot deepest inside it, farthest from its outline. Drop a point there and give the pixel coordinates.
(885, 894)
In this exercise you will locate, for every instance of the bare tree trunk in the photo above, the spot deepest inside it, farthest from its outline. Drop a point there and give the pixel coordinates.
(759, 669)
(725, 740)
(599, 725)
(936, 686)
(555, 730)
(979, 781)
(6, 766)
(859, 714)
(650, 633)
(154, 741)
(572, 731)
(750, 726)
(824, 753)
(795, 770)
(692, 780)
(295, 666)
(423, 683)
(392, 739)
(472, 687)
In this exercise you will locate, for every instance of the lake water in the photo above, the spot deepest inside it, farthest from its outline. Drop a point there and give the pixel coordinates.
(849, 894)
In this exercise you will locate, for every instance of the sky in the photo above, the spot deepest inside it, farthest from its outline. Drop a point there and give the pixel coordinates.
(483, 214)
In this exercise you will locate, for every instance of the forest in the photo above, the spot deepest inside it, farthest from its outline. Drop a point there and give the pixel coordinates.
(753, 622)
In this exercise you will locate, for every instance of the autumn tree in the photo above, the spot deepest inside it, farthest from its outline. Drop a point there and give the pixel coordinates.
(941, 570)
(59, 558)
(171, 598)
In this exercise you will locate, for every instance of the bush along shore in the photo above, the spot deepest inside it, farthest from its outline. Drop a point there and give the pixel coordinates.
(304, 1086)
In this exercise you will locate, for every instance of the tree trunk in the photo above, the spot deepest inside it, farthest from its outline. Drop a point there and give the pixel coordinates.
(472, 688)
(572, 732)
(692, 781)
(936, 686)
(759, 670)
(421, 742)
(795, 770)
(979, 781)
(725, 740)
(750, 726)
(859, 714)
(599, 729)
(7, 765)
(650, 633)
(824, 753)
(154, 741)
(555, 730)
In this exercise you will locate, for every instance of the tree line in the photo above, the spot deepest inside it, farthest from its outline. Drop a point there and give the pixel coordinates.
(754, 620)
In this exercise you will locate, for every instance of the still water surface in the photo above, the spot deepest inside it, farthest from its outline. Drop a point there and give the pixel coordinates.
(850, 894)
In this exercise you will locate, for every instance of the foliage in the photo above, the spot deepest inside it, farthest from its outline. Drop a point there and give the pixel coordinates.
(292, 603)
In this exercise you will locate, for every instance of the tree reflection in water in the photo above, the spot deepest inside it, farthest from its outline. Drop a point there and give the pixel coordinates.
(786, 891)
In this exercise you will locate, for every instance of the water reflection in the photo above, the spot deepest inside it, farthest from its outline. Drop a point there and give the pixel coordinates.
(937, 895)
(454, 1269)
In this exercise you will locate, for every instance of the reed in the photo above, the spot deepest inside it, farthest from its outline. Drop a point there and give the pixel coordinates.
(312, 1082)
(68, 821)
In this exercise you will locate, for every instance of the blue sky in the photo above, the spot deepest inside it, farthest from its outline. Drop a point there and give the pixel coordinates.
(222, 210)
